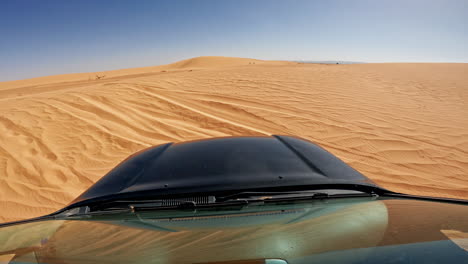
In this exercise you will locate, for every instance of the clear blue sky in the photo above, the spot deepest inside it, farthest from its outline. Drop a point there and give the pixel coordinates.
(40, 37)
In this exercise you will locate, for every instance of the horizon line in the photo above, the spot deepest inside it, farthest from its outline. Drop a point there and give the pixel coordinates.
(305, 61)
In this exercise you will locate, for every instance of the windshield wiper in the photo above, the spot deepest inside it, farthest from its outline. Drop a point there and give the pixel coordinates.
(241, 198)
(125, 203)
(271, 195)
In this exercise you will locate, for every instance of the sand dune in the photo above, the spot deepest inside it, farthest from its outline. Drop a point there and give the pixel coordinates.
(403, 125)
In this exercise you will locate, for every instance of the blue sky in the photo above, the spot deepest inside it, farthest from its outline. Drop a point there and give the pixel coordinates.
(40, 37)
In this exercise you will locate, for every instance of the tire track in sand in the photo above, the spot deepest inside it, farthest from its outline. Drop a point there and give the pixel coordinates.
(200, 112)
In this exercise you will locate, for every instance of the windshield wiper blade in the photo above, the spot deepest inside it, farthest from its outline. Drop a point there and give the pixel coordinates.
(252, 198)
(190, 205)
(131, 206)
(236, 200)
(240, 198)
(328, 191)
(270, 195)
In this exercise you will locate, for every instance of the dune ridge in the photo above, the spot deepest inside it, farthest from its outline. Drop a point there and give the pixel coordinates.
(402, 125)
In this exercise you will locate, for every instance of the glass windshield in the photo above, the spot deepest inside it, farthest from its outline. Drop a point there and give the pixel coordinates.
(359, 230)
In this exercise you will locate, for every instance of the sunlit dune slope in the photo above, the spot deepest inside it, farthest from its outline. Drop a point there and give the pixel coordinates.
(403, 125)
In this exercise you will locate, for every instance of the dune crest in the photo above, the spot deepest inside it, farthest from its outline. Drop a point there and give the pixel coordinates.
(192, 63)
(218, 61)
(402, 125)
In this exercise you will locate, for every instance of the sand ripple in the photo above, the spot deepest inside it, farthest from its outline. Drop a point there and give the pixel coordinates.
(403, 125)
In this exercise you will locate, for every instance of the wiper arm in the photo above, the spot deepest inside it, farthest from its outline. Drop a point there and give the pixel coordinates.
(240, 199)
(243, 197)
(254, 198)
(317, 192)
(271, 195)
(190, 205)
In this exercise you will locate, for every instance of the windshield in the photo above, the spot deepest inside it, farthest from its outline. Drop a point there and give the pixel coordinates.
(357, 230)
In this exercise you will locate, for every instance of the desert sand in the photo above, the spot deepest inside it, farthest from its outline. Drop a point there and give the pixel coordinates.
(405, 126)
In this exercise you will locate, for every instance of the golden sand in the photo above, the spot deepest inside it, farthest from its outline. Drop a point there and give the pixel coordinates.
(405, 126)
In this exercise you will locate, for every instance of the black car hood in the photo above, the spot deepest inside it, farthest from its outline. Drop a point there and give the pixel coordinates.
(223, 164)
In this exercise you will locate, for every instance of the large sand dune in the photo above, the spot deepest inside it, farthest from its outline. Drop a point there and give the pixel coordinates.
(403, 125)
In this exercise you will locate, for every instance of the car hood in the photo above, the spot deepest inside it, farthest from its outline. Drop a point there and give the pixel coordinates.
(223, 164)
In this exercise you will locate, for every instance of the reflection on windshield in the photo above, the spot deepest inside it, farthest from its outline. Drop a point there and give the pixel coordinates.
(457, 237)
(278, 233)
(30, 235)
(307, 233)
